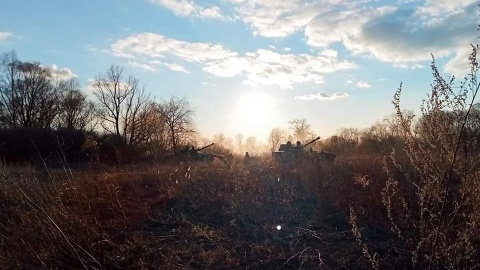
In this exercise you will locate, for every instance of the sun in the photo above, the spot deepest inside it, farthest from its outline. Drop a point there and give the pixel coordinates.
(254, 113)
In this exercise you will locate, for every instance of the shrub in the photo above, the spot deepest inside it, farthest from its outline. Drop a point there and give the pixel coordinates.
(432, 198)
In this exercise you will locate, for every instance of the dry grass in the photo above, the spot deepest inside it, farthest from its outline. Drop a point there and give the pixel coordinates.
(213, 217)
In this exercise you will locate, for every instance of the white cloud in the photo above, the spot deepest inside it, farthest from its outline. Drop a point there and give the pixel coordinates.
(408, 66)
(211, 13)
(176, 67)
(404, 35)
(5, 35)
(261, 67)
(337, 26)
(140, 65)
(61, 73)
(442, 7)
(390, 39)
(158, 47)
(460, 64)
(189, 8)
(323, 96)
(362, 84)
(276, 18)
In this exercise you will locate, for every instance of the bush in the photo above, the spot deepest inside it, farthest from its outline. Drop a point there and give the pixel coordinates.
(432, 198)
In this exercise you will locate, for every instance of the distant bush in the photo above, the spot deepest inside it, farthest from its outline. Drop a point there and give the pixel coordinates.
(33, 146)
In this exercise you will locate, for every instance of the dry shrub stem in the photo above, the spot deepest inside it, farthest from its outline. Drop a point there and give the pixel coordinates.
(473, 81)
(441, 186)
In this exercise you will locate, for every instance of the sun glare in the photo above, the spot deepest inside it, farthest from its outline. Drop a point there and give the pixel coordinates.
(254, 113)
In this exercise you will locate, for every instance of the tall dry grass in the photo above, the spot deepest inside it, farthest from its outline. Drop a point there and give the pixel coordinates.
(431, 198)
(80, 220)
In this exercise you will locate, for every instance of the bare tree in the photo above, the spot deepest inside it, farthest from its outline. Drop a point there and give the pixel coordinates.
(122, 105)
(76, 111)
(251, 144)
(301, 130)
(177, 115)
(154, 132)
(239, 142)
(28, 94)
(275, 138)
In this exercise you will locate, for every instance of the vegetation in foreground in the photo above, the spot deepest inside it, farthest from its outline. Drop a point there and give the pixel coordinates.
(212, 216)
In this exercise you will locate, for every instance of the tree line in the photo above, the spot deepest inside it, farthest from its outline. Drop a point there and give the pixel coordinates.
(121, 119)
(43, 116)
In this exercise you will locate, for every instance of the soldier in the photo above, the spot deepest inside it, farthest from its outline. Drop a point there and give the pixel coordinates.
(299, 146)
(194, 152)
(246, 159)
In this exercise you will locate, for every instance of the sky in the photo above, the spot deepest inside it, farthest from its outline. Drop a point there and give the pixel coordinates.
(248, 66)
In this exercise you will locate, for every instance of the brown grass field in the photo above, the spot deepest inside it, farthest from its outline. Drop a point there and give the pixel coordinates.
(210, 217)
(213, 217)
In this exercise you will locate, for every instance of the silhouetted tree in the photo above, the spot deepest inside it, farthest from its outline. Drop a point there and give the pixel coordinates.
(177, 115)
(301, 130)
(275, 138)
(76, 111)
(123, 105)
(28, 94)
(251, 144)
(239, 142)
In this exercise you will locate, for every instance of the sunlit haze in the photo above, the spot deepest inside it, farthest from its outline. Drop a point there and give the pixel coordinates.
(253, 113)
(250, 66)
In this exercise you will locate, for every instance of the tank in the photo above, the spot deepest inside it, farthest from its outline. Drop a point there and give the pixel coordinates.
(290, 154)
(196, 154)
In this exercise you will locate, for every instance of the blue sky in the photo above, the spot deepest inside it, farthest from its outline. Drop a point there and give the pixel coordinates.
(250, 66)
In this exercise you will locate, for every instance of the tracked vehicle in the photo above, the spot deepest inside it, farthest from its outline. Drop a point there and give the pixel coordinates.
(196, 154)
(294, 154)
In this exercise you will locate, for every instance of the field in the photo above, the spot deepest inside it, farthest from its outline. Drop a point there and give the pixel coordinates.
(209, 217)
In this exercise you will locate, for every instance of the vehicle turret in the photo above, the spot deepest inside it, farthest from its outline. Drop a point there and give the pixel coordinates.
(205, 147)
(312, 141)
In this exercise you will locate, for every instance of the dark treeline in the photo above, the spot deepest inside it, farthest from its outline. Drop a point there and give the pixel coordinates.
(44, 117)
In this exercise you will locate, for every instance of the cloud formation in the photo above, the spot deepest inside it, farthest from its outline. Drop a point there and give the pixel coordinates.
(401, 38)
(403, 35)
(460, 65)
(362, 84)
(261, 67)
(5, 35)
(323, 96)
(188, 8)
(61, 73)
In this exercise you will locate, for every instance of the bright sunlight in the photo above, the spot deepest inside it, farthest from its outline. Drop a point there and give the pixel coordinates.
(254, 112)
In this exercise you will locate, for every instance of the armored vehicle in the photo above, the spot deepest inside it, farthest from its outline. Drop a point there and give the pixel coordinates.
(196, 154)
(291, 154)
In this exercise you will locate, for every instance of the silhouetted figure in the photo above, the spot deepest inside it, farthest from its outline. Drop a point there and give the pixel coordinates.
(246, 159)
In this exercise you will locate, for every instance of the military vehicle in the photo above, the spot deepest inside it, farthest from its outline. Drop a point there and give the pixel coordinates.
(196, 154)
(292, 154)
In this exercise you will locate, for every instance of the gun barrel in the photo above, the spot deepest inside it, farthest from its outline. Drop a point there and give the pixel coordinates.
(206, 146)
(312, 141)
